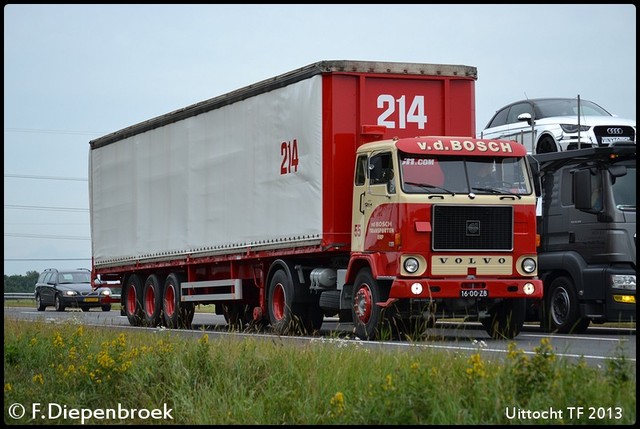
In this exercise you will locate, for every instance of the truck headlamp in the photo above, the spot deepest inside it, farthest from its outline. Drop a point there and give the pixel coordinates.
(529, 265)
(623, 281)
(411, 265)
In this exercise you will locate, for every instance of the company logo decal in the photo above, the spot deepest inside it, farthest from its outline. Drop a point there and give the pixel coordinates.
(467, 145)
(473, 228)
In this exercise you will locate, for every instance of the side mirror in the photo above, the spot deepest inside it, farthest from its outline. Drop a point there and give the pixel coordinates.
(582, 192)
(525, 117)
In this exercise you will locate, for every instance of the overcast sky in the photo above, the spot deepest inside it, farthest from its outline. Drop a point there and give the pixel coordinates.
(75, 73)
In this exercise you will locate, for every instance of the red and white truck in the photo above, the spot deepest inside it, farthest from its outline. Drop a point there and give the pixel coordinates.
(316, 193)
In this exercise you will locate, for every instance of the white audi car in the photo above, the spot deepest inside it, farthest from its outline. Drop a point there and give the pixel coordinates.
(558, 124)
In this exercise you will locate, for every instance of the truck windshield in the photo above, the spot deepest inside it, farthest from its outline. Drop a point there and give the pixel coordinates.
(624, 190)
(454, 175)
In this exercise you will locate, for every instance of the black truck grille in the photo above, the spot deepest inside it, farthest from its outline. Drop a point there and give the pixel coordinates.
(472, 227)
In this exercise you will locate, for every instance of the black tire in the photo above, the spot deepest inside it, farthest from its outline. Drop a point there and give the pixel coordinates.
(106, 307)
(84, 308)
(176, 314)
(39, 305)
(561, 311)
(280, 303)
(312, 318)
(58, 303)
(152, 296)
(506, 318)
(236, 315)
(368, 317)
(132, 300)
(546, 144)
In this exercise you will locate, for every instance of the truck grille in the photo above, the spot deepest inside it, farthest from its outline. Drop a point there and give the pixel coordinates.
(614, 133)
(472, 228)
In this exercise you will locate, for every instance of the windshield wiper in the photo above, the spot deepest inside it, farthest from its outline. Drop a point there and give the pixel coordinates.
(428, 187)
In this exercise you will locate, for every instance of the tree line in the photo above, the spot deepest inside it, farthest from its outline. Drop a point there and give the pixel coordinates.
(21, 283)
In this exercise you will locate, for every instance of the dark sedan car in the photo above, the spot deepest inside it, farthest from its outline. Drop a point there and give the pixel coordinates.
(69, 288)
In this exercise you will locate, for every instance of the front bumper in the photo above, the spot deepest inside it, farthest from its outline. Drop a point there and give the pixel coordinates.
(465, 288)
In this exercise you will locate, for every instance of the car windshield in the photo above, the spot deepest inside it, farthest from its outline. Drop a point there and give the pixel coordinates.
(74, 278)
(567, 107)
(454, 175)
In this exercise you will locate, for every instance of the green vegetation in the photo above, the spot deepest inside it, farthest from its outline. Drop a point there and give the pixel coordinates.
(19, 283)
(234, 380)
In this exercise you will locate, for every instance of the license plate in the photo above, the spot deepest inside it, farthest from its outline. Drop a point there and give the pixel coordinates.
(474, 293)
(613, 139)
(91, 300)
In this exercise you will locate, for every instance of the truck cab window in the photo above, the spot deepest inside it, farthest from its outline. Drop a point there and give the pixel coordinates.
(361, 168)
(380, 169)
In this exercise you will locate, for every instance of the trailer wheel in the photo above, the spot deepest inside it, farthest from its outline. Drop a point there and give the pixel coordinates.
(312, 318)
(152, 301)
(176, 314)
(280, 303)
(506, 318)
(236, 315)
(132, 300)
(561, 311)
(368, 317)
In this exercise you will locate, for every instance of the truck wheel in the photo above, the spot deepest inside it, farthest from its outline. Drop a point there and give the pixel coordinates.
(235, 314)
(132, 300)
(39, 305)
(152, 301)
(561, 312)
(280, 303)
(367, 316)
(506, 319)
(312, 318)
(176, 314)
(58, 303)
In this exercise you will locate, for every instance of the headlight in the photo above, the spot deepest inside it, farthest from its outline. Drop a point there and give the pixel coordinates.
(70, 292)
(623, 281)
(573, 128)
(105, 292)
(528, 265)
(411, 265)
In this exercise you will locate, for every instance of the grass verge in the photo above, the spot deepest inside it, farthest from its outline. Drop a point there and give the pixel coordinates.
(330, 381)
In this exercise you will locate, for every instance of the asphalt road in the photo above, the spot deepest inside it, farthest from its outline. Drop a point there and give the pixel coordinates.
(598, 345)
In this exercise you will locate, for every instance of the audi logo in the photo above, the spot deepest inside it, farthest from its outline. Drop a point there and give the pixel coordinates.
(614, 131)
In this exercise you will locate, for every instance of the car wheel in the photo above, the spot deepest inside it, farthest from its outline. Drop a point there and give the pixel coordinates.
(106, 307)
(84, 308)
(58, 303)
(546, 144)
(39, 305)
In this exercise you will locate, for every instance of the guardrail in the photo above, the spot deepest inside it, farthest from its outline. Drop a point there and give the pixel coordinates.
(30, 295)
(19, 295)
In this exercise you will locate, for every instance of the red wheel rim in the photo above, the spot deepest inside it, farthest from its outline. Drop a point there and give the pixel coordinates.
(279, 301)
(362, 303)
(170, 301)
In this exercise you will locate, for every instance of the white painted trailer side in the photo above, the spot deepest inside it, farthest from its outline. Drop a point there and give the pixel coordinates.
(215, 183)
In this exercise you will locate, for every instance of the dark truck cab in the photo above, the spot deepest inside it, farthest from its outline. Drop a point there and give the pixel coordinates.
(587, 225)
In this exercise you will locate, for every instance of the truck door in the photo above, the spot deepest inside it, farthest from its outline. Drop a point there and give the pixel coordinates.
(373, 211)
